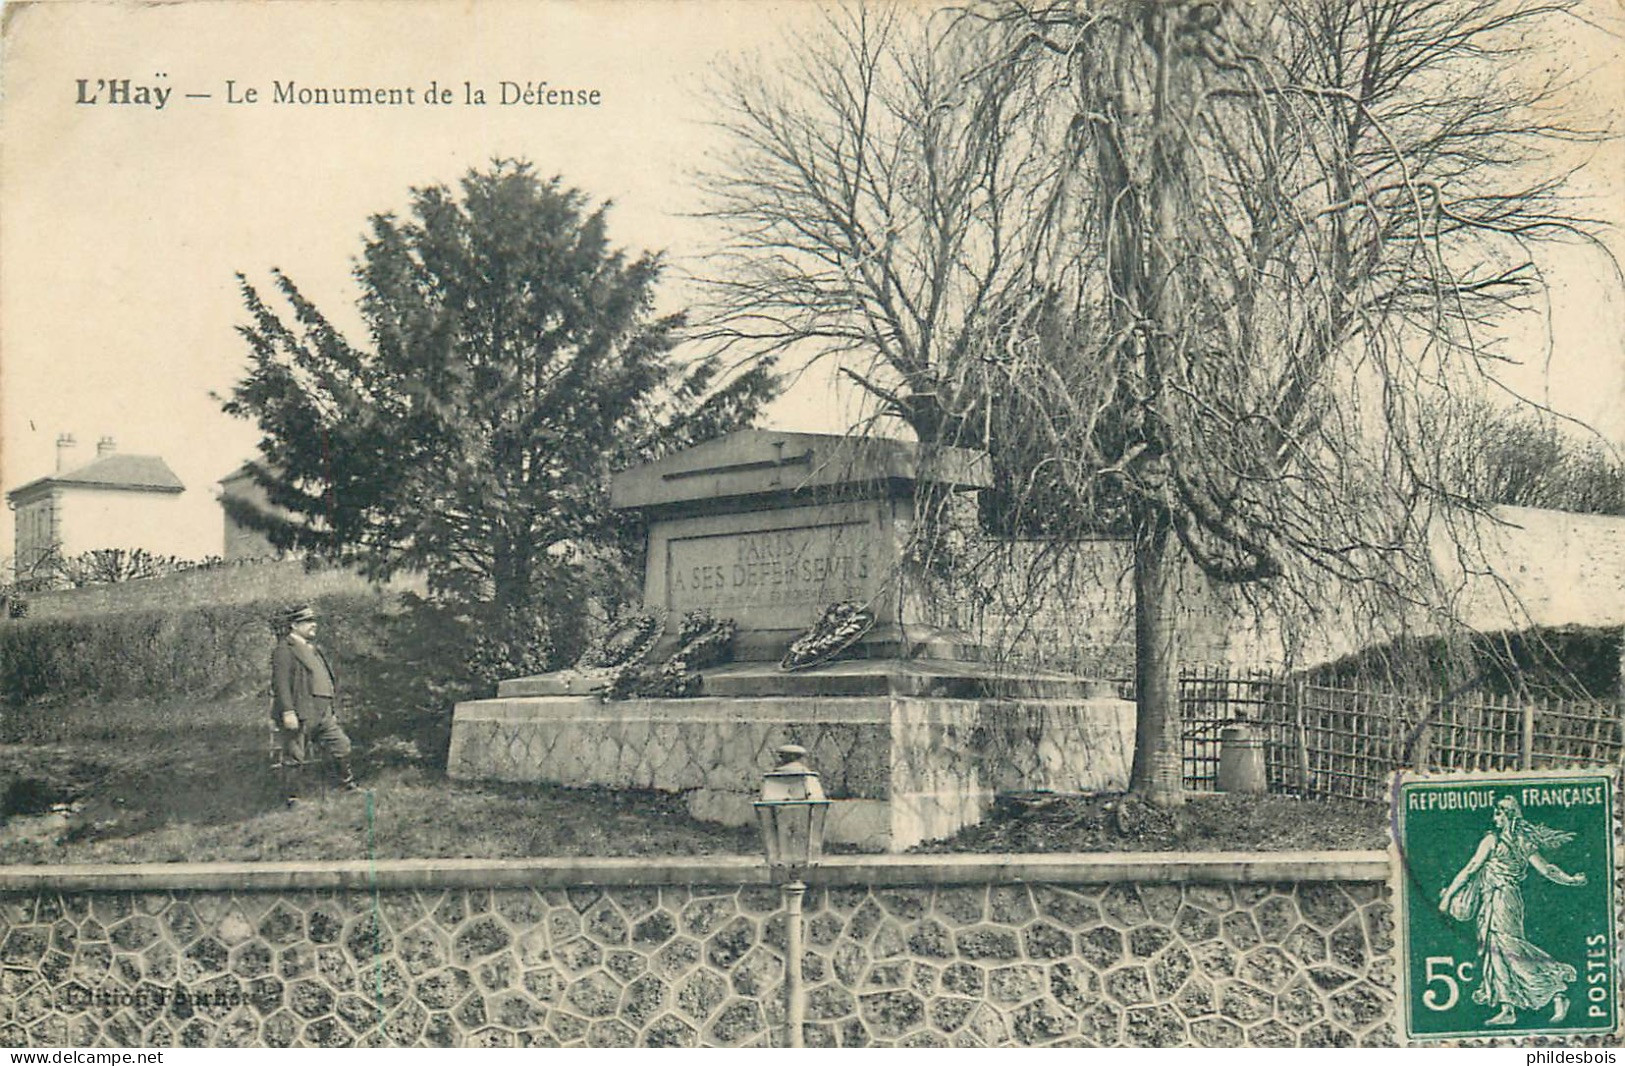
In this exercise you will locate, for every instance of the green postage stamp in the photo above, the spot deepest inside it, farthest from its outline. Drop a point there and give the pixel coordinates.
(1506, 904)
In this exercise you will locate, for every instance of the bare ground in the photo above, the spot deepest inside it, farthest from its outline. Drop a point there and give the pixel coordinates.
(1115, 822)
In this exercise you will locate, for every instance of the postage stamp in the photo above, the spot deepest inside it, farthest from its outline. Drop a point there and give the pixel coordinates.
(1505, 896)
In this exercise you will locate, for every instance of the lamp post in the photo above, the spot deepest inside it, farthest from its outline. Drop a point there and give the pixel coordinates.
(791, 813)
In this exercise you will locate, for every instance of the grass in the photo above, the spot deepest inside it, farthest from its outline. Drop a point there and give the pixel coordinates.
(190, 782)
(412, 814)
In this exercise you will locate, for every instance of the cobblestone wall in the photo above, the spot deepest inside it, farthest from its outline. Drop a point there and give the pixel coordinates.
(1196, 963)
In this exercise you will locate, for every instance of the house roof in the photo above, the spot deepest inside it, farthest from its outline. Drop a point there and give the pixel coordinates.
(137, 473)
(244, 470)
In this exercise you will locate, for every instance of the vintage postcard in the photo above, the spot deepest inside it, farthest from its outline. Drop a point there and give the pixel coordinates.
(632, 523)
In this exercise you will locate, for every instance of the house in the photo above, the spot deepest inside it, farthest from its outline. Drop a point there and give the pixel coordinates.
(241, 542)
(114, 501)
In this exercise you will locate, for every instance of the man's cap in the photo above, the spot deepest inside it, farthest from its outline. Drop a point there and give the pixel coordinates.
(295, 614)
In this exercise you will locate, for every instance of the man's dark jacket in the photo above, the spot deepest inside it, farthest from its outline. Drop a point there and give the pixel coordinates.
(301, 681)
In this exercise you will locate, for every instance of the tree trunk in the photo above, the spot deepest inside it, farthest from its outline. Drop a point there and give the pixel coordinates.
(512, 595)
(1157, 775)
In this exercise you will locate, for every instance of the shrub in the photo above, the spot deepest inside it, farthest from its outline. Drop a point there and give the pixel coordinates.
(158, 654)
(403, 662)
(103, 566)
(407, 669)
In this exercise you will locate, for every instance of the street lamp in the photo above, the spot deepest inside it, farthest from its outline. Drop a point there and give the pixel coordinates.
(791, 813)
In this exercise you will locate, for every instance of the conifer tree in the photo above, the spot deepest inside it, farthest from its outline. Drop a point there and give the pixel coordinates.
(513, 360)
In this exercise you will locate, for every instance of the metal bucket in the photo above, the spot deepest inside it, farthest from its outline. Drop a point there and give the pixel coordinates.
(1241, 760)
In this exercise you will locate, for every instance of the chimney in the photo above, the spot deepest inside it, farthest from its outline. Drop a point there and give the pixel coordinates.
(105, 446)
(64, 451)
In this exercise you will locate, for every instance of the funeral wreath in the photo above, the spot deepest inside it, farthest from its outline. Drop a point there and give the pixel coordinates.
(841, 625)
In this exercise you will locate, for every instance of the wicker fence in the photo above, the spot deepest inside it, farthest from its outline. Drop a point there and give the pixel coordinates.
(1321, 741)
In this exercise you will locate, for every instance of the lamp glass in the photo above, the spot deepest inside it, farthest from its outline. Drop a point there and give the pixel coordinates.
(791, 813)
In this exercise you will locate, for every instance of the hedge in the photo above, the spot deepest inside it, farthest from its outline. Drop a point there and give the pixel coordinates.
(190, 652)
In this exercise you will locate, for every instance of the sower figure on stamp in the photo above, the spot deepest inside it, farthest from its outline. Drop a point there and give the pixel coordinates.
(303, 698)
(1489, 891)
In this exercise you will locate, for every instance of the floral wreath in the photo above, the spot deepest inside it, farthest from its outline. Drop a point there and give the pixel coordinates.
(841, 625)
(702, 641)
(627, 641)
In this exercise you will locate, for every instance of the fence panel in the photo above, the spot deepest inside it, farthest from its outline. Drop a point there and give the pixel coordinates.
(1577, 733)
(1353, 739)
(1211, 699)
(1329, 742)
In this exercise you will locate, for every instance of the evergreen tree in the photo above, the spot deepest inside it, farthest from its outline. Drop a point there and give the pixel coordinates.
(514, 361)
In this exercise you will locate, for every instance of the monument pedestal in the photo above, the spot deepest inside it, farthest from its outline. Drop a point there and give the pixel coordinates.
(907, 751)
(912, 737)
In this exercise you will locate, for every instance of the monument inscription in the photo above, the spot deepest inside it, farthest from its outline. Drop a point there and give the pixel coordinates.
(772, 578)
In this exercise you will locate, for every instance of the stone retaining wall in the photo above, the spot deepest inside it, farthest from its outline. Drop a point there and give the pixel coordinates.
(900, 769)
(916, 950)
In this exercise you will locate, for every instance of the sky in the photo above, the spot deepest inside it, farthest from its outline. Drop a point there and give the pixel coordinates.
(122, 226)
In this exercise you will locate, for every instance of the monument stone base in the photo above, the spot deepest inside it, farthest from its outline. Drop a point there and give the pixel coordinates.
(907, 751)
(912, 736)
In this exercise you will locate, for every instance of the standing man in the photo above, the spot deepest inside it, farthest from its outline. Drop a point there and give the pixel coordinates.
(303, 694)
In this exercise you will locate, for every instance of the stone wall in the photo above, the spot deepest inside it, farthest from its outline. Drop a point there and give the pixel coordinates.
(1153, 950)
(1070, 607)
(899, 769)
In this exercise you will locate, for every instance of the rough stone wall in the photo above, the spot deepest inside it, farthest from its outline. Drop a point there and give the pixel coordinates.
(901, 769)
(972, 964)
(1071, 606)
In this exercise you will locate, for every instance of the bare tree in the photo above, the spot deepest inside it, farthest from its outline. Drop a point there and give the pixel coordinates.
(1244, 252)
(872, 193)
(1528, 459)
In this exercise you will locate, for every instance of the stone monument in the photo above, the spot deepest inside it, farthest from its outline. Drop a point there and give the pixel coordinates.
(912, 733)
